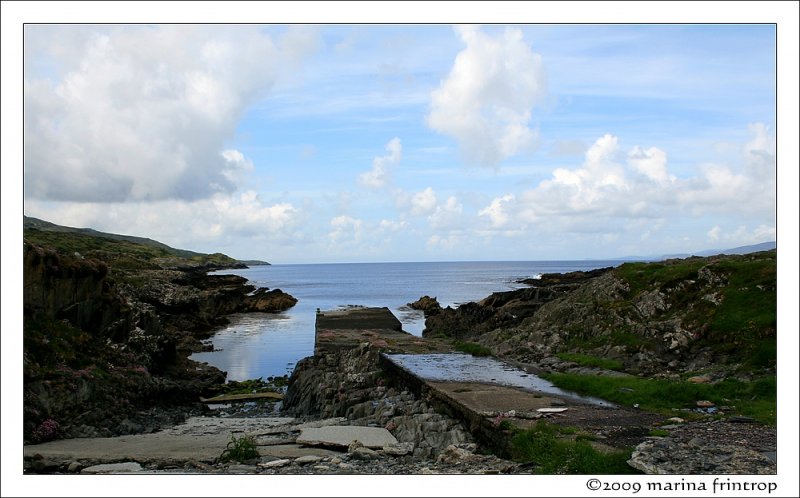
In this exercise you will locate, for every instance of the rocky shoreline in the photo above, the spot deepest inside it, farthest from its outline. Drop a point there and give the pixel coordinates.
(107, 344)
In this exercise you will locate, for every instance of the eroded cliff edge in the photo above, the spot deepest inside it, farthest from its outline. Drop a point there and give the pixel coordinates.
(108, 327)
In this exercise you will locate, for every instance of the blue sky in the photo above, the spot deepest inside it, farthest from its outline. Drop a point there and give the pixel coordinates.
(332, 143)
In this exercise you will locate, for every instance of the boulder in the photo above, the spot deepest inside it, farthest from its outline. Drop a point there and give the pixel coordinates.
(426, 304)
(269, 301)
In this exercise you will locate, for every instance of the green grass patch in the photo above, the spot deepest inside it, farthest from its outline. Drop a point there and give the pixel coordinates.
(658, 433)
(541, 446)
(472, 348)
(755, 399)
(591, 361)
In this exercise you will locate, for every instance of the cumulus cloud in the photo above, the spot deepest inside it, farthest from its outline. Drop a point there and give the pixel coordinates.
(183, 224)
(142, 113)
(613, 190)
(496, 211)
(446, 216)
(380, 174)
(486, 100)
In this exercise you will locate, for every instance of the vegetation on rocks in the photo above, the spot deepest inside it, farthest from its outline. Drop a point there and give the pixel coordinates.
(109, 323)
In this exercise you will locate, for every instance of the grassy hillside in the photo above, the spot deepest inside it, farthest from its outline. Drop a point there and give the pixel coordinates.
(124, 251)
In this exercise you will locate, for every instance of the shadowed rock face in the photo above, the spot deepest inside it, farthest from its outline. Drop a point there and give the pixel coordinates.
(102, 342)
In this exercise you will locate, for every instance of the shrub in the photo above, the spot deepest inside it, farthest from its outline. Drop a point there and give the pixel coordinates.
(240, 449)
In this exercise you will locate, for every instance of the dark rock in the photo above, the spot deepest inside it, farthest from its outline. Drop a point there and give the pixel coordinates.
(269, 301)
(426, 304)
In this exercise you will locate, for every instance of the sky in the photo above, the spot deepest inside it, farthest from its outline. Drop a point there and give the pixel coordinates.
(309, 143)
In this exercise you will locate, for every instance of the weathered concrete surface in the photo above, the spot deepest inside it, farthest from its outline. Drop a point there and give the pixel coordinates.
(358, 318)
(343, 435)
(113, 468)
(200, 439)
(377, 327)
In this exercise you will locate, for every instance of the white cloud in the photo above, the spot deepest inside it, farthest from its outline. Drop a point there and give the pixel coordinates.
(380, 174)
(496, 211)
(345, 229)
(182, 224)
(392, 226)
(652, 163)
(610, 190)
(419, 203)
(448, 243)
(141, 113)
(485, 102)
(447, 216)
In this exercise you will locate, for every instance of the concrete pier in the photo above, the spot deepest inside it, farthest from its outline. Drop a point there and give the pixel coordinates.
(480, 405)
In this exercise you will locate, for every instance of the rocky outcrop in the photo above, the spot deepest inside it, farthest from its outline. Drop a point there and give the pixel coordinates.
(103, 342)
(269, 301)
(710, 448)
(426, 304)
(655, 319)
(504, 309)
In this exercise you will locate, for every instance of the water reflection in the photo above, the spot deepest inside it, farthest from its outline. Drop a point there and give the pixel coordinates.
(458, 367)
(256, 345)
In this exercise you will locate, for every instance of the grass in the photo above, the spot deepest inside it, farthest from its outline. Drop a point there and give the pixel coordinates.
(591, 361)
(542, 446)
(240, 449)
(472, 348)
(755, 399)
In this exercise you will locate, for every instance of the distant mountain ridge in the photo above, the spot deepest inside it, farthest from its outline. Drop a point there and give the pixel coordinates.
(763, 246)
(30, 223)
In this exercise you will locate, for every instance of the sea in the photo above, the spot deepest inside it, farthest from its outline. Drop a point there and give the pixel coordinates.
(263, 345)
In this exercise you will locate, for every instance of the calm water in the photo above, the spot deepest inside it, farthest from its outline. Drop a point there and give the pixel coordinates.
(262, 345)
(458, 367)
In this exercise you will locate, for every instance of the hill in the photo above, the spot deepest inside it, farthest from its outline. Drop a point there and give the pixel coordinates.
(123, 250)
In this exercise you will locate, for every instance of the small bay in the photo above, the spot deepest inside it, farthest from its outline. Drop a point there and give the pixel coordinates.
(270, 344)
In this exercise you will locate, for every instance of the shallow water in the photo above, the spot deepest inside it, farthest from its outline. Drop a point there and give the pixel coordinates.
(458, 367)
